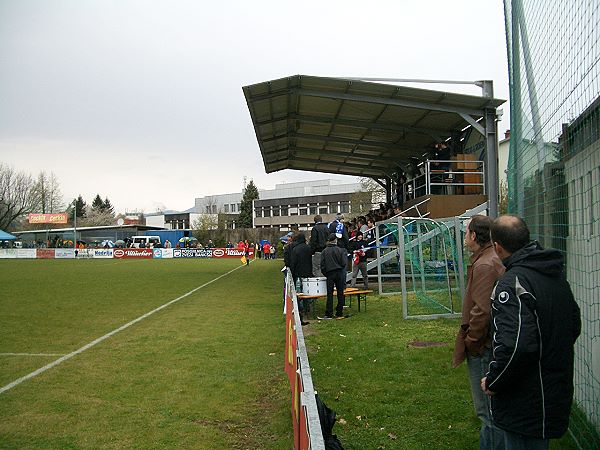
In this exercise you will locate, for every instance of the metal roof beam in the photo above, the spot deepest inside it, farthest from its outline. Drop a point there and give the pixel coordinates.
(436, 134)
(347, 141)
(350, 155)
(392, 101)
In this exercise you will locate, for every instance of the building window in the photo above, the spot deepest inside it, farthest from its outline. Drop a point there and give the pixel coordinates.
(293, 211)
(225, 208)
(303, 211)
(258, 212)
(312, 210)
(345, 207)
(323, 210)
(233, 209)
(207, 209)
(275, 211)
(284, 210)
(214, 209)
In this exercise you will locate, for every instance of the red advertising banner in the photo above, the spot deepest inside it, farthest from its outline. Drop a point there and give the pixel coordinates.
(133, 253)
(44, 253)
(48, 218)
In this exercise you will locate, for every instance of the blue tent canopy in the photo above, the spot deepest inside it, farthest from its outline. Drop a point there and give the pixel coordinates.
(4, 236)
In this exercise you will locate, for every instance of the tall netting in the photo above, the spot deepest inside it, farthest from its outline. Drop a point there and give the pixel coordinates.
(554, 164)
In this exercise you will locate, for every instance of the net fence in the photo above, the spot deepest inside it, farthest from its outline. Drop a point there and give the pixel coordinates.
(554, 162)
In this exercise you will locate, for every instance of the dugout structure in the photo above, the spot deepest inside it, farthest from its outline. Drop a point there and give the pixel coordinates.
(554, 163)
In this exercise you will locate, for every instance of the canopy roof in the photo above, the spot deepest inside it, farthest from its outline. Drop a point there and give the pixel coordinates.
(4, 236)
(351, 127)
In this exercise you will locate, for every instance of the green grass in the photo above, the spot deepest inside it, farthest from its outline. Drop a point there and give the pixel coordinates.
(207, 372)
(388, 394)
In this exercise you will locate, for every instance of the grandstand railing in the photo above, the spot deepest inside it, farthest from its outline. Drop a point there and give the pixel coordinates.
(443, 177)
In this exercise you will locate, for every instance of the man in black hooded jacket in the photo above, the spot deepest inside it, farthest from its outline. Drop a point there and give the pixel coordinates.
(535, 322)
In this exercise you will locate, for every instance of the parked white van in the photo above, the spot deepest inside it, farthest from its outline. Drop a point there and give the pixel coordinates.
(145, 241)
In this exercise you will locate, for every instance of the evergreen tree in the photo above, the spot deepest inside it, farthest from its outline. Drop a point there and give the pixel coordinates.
(245, 217)
(97, 204)
(81, 207)
(108, 207)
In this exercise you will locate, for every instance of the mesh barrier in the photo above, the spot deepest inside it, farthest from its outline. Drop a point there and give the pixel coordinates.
(431, 268)
(554, 162)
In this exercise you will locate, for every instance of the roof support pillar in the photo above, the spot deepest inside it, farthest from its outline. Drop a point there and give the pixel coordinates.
(491, 169)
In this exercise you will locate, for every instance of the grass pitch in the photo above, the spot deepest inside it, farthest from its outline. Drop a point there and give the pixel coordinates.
(205, 372)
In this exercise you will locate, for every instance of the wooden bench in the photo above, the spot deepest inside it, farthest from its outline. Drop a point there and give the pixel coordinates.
(361, 295)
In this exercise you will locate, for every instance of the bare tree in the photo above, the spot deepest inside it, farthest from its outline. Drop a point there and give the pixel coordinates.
(48, 196)
(17, 195)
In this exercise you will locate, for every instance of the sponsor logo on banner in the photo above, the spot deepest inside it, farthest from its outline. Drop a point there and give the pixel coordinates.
(103, 253)
(84, 253)
(167, 253)
(8, 253)
(158, 253)
(26, 253)
(193, 253)
(48, 218)
(218, 252)
(64, 253)
(44, 253)
(133, 253)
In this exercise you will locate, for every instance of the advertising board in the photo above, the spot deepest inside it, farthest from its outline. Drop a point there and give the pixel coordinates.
(133, 253)
(193, 253)
(8, 253)
(44, 253)
(209, 253)
(26, 253)
(48, 218)
(102, 253)
(64, 253)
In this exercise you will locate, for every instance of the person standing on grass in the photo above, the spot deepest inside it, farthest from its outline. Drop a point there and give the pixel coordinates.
(318, 242)
(473, 341)
(247, 251)
(536, 322)
(333, 265)
(301, 267)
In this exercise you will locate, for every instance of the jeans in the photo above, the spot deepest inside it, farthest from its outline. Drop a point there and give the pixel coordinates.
(515, 441)
(490, 436)
(316, 265)
(362, 266)
(335, 278)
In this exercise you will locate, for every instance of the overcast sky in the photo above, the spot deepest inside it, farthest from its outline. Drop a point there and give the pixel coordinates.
(141, 101)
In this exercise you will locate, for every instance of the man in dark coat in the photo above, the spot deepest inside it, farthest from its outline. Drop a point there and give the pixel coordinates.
(535, 322)
(318, 242)
(333, 265)
(301, 259)
(301, 267)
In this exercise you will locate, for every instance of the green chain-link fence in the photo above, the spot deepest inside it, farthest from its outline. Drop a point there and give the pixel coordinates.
(554, 163)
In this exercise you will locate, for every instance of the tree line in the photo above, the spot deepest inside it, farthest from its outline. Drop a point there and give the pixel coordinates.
(21, 194)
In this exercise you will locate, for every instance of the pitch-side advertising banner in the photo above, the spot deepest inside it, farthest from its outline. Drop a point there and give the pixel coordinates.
(209, 253)
(102, 253)
(8, 253)
(48, 218)
(64, 253)
(132, 253)
(26, 253)
(44, 253)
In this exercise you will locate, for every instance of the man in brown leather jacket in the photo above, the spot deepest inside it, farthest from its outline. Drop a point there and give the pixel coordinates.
(473, 339)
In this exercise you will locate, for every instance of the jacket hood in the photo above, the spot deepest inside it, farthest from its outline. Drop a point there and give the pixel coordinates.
(534, 256)
(301, 239)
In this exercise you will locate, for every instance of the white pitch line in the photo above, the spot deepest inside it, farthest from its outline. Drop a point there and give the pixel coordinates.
(106, 336)
(31, 354)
